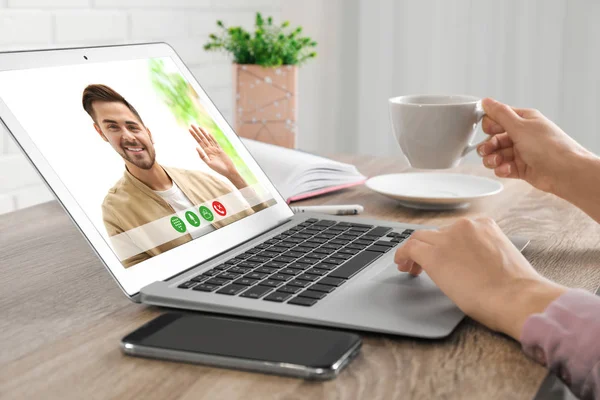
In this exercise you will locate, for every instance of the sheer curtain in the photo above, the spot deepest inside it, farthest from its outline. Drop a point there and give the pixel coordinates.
(542, 54)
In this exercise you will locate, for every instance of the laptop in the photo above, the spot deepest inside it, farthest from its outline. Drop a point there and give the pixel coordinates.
(181, 214)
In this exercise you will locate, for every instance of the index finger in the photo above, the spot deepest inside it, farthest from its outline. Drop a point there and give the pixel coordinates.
(202, 134)
(209, 136)
(502, 113)
(495, 143)
(414, 250)
(198, 136)
(193, 133)
(492, 127)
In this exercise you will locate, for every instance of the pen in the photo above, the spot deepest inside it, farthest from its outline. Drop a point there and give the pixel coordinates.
(349, 209)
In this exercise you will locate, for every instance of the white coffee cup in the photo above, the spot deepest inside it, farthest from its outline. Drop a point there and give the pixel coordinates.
(435, 131)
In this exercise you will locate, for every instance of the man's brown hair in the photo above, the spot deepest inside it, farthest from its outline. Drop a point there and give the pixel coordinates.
(98, 92)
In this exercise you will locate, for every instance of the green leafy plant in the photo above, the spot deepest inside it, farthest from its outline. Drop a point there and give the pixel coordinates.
(270, 45)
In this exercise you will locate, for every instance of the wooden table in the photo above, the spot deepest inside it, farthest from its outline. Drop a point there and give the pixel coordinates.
(62, 315)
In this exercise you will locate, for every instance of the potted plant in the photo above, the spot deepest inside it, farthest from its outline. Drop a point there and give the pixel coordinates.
(265, 74)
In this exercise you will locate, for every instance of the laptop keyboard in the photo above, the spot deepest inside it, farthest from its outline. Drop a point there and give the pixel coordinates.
(301, 265)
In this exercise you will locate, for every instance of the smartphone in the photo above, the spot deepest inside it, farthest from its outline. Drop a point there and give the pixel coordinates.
(246, 344)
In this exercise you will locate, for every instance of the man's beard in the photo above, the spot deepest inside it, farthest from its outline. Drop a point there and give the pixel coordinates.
(144, 163)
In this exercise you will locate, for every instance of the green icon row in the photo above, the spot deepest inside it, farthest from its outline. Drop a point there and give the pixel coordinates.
(192, 219)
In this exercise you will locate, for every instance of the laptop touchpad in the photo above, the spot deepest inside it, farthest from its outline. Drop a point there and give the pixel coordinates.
(392, 276)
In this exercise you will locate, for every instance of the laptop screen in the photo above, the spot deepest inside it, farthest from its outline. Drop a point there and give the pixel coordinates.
(140, 151)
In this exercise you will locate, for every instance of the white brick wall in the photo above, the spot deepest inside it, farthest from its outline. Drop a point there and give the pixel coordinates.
(25, 26)
(90, 26)
(185, 24)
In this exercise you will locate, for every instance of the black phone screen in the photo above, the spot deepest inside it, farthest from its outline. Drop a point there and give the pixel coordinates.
(245, 338)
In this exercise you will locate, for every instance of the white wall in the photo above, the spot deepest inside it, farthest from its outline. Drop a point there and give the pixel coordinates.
(328, 90)
(185, 24)
(542, 54)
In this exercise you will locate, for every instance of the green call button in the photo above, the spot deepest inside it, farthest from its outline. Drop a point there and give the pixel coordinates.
(178, 224)
(206, 213)
(192, 218)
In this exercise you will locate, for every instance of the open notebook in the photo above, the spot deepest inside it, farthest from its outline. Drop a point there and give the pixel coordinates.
(299, 175)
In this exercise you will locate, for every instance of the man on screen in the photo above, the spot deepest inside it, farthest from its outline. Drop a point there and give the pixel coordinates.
(149, 191)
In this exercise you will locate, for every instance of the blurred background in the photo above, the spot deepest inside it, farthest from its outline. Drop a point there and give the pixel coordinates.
(542, 54)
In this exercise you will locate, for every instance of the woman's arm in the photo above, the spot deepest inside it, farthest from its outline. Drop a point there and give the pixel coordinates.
(582, 189)
(487, 277)
(566, 339)
(524, 144)
(497, 285)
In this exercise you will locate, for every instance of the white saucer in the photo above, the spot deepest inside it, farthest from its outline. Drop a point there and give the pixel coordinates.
(433, 190)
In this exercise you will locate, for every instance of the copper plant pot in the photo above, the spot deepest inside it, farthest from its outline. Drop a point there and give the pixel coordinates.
(265, 103)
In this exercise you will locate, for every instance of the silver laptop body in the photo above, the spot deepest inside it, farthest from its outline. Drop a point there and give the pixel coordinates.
(374, 297)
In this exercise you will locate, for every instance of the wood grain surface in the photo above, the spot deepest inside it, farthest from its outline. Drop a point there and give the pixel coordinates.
(62, 315)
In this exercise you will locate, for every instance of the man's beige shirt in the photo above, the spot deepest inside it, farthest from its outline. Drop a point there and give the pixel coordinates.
(130, 203)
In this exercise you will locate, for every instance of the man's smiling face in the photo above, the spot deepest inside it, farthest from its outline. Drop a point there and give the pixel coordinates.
(120, 127)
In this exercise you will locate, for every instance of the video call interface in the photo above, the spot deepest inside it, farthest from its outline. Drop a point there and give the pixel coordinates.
(139, 150)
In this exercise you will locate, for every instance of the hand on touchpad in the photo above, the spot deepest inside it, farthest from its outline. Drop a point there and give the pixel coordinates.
(391, 275)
